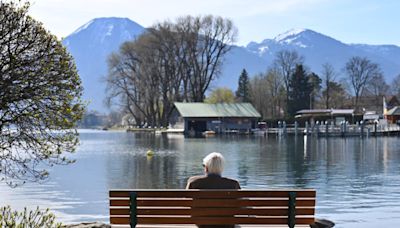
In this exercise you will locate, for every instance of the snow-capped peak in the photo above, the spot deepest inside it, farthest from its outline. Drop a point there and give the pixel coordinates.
(83, 27)
(109, 30)
(289, 34)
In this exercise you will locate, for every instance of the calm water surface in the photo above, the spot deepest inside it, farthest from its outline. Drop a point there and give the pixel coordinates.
(357, 180)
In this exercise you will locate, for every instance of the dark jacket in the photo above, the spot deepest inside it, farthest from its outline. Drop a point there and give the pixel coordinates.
(212, 181)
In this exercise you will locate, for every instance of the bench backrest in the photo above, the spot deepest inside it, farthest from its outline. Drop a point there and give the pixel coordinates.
(212, 207)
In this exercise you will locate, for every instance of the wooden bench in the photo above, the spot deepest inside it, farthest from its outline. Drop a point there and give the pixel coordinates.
(139, 208)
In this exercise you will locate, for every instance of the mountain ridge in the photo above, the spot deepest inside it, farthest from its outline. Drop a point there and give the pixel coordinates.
(318, 49)
(92, 42)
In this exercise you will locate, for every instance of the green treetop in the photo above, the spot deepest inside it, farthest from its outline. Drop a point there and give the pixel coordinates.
(40, 94)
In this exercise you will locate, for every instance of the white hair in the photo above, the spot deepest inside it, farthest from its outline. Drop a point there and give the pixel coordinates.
(214, 163)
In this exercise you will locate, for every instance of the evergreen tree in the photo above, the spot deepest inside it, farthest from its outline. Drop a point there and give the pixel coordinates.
(300, 91)
(243, 91)
(315, 82)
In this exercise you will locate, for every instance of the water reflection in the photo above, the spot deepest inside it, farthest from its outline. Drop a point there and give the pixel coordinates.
(357, 180)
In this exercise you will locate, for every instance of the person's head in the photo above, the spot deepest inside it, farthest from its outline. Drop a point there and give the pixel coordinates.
(213, 163)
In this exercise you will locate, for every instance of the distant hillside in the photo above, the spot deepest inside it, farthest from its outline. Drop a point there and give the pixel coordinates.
(90, 45)
(237, 59)
(94, 41)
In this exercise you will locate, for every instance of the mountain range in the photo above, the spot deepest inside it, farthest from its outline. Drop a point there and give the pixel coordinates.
(93, 42)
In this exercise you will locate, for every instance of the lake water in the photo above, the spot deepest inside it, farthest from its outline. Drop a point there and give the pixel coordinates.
(357, 180)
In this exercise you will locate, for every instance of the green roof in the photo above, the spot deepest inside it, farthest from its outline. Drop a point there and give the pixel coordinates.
(217, 110)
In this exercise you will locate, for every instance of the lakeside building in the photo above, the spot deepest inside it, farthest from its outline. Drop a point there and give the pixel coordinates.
(393, 115)
(335, 116)
(196, 118)
(377, 104)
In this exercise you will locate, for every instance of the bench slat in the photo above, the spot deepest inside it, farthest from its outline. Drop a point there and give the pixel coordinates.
(219, 194)
(153, 211)
(209, 220)
(154, 202)
(249, 211)
(212, 211)
(211, 203)
(247, 203)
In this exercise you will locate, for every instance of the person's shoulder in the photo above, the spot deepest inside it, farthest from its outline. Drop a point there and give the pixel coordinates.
(232, 182)
(229, 179)
(194, 178)
(193, 182)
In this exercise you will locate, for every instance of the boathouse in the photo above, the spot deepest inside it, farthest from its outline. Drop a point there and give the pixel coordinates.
(197, 118)
(335, 116)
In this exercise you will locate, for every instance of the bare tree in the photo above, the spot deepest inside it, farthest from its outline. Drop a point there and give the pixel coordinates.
(206, 40)
(267, 93)
(286, 62)
(377, 86)
(274, 86)
(258, 94)
(360, 71)
(395, 85)
(137, 77)
(328, 76)
(123, 82)
(159, 61)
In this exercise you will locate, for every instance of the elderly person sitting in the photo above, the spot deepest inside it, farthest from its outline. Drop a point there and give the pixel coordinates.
(213, 167)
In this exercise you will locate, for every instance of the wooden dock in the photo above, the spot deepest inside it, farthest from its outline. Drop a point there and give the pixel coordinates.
(337, 131)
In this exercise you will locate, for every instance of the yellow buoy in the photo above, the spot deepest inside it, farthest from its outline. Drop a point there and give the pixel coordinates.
(150, 153)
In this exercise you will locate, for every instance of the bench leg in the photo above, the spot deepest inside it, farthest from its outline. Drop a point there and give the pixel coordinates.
(292, 210)
(132, 208)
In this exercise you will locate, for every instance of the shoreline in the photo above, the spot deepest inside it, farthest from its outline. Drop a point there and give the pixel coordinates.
(87, 225)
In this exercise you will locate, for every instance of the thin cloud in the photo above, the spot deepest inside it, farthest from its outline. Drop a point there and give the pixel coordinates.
(256, 19)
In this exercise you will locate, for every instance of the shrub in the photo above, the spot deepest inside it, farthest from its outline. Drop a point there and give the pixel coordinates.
(27, 218)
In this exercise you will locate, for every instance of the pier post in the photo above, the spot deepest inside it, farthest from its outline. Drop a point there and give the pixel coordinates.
(307, 130)
(278, 132)
(362, 129)
(343, 128)
(284, 128)
(326, 129)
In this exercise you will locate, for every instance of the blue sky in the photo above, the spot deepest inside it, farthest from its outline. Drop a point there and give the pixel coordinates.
(350, 21)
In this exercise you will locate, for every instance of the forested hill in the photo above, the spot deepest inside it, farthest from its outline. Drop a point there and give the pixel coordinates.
(93, 42)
